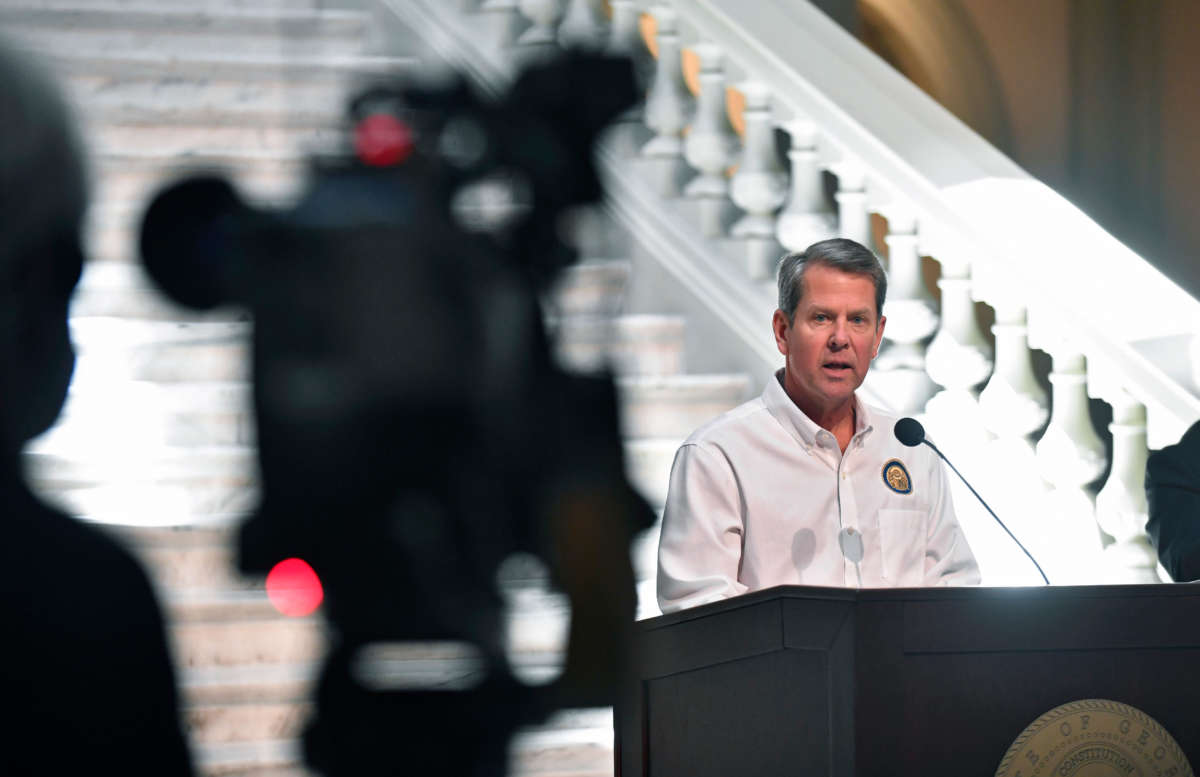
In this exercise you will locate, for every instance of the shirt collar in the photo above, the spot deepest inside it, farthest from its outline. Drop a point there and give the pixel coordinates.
(793, 419)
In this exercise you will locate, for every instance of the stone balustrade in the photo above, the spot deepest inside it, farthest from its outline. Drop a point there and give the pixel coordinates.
(1024, 281)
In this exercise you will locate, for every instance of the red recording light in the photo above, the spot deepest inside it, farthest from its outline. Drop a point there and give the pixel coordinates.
(294, 588)
(381, 140)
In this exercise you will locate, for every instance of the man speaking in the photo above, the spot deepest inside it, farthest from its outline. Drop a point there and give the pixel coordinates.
(807, 485)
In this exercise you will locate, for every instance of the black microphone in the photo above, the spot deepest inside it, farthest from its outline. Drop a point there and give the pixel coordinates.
(910, 432)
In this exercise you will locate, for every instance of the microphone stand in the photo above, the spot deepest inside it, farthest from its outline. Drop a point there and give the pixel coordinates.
(942, 456)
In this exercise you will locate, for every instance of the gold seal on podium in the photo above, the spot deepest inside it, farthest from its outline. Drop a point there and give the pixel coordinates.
(1094, 738)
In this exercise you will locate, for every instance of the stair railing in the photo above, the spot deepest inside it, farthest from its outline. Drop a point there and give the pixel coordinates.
(1114, 328)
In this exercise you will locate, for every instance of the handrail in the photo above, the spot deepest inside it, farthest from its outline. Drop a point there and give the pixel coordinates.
(1026, 242)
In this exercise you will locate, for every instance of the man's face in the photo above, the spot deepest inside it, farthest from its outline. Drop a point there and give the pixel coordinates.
(831, 340)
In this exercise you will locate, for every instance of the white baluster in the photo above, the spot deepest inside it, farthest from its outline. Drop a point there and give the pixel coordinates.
(710, 143)
(543, 16)
(625, 40)
(911, 318)
(581, 25)
(503, 22)
(667, 106)
(806, 218)
(1070, 453)
(759, 186)
(1013, 403)
(624, 37)
(959, 358)
(854, 222)
(1013, 406)
(1121, 508)
(1070, 456)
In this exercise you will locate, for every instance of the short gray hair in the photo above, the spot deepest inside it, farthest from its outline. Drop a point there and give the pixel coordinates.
(838, 253)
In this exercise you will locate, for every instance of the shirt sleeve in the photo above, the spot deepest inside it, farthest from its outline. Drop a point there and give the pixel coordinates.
(948, 557)
(700, 548)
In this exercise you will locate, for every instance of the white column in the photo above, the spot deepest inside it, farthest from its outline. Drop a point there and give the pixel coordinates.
(1121, 509)
(1070, 453)
(806, 218)
(710, 143)
(667, 106)
(911, 319)
(959, 358)
(1070, 456)
(581, 25)
(624, 37)
(759, 186)
(543, 16)
(503, 22)
(854, 223)
(1013, 403)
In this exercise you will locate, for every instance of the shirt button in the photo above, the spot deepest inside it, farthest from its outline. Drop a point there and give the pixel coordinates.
(843, 476)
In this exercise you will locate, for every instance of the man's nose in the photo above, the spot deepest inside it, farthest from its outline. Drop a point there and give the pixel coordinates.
(839, 337)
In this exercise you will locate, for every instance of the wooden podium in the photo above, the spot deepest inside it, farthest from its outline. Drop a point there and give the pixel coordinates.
(823, 681)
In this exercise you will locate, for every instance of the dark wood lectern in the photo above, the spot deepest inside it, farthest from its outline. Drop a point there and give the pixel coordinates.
(823, 681)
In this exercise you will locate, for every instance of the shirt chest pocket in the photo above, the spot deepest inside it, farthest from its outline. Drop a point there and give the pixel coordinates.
(902, 541)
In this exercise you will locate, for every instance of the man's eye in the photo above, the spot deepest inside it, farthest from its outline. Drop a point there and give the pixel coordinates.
(821, 317)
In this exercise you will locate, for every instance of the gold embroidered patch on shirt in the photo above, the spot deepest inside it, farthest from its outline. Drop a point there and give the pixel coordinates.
(895, 477)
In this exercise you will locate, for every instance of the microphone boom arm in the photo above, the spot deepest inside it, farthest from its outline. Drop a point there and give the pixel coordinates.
(989, 509)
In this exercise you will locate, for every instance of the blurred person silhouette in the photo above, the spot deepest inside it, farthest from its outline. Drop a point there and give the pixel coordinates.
(86, 675)
(1173, 499)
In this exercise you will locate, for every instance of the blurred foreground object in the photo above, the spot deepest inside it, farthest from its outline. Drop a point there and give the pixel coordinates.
(414, 432)
(86, 670)
(1173, 496)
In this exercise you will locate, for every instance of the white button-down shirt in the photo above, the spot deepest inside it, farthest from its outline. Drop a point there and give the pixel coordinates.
(762, 496)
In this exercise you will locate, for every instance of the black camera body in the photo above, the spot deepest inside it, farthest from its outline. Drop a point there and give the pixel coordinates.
(413, 430)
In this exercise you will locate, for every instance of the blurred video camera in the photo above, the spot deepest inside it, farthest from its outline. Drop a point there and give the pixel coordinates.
(414, 431)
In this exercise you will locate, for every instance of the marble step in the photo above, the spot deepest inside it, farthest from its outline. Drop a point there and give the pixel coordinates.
(114, 284)
(242, 627)
(264, 758)
(112, 348)
(188, 558)
(595, 287)
(674, 406)
(239, 628)
(194, 558)
(194, 413)
(219, 413)
(170, 137)
(95, 28)
(242, 80)
(123, 290)
(225, 704)
(263, 176)
(575, 743)
(628, 345)
(261, 5)
(648, 466)
(113, 479)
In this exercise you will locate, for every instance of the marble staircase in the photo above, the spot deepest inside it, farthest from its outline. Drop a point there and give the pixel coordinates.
(157, 442)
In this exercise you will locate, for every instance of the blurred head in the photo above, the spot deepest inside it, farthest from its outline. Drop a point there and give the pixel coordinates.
(829, 323)
(42, 201)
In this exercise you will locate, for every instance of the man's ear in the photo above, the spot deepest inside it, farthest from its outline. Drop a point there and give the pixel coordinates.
(878, 336)
(780, 326)
(190, 241)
